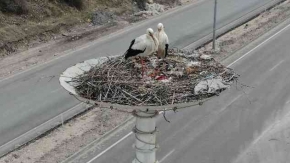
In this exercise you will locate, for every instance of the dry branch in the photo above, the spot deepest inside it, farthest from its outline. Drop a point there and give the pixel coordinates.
(166, 81)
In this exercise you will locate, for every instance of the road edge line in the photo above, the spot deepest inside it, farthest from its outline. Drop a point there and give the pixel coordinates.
(106, 37)
(44, 127)
(232, 25)
(273, 32)
(116, 129)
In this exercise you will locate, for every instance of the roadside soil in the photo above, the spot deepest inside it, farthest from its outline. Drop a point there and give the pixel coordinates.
(43, 20)
(26, 52)
(65, 140)
(241, 36)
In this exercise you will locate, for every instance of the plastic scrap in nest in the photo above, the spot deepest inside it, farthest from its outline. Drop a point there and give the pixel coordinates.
(210, 86)
(181, 77)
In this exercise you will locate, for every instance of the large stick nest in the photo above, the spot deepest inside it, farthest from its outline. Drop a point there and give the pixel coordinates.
(165, 81)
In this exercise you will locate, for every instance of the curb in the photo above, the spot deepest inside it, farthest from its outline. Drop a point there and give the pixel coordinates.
(197, 44)
(222, 30)
(77, 109)
(42, 129)
(80, 108)
(239, 53)
(79, 153)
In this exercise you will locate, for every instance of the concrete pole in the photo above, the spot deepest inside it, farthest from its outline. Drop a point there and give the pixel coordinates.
(214, 25)
(145, 134)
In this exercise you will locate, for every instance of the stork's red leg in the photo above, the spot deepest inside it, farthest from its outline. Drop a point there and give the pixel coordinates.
(142, 63)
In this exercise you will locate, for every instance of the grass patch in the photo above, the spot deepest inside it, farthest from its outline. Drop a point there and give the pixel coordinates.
(22, 19)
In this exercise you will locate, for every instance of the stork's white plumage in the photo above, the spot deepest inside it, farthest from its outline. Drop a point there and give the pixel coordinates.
(143, 45)
(163, 40)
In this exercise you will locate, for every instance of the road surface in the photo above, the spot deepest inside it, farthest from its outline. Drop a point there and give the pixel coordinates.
(222, 128)
(31, 98)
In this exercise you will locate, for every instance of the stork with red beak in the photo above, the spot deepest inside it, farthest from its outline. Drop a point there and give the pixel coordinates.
(163, 40)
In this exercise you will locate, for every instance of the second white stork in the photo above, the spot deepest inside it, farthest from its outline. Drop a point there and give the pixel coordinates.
(163, 40)
(142, 46)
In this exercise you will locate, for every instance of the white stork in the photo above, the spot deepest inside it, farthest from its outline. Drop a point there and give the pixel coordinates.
(163, 40)
(142, 46)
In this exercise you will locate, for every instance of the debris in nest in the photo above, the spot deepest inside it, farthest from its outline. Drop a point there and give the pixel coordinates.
(206, 57)
(211, 86)
(179, 78)
(194, 64)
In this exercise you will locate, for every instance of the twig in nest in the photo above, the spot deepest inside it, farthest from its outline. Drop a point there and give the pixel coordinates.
(175, 109)
(164, 111)
(119, 81)
(173, 98)
(157, 99)
(131, 95)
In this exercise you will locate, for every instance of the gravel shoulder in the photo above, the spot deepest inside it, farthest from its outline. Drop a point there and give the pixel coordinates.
(241, 36)
(103, 22)
(65, 140)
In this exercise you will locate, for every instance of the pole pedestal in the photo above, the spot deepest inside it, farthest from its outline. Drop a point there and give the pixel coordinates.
(145, 135)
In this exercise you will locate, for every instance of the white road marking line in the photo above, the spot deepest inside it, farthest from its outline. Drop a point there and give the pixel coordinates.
(116, 143)
(230, 103)
(105, 38)
(276, 65)
(100, 154)
(259, 45)
(130, 132)
(167, 155)
(35, 128)
(223, 109)
(102, 40)
(113, 145)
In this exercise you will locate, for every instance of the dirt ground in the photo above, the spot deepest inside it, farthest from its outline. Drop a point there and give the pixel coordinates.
(43, 20)
(50, 44)
(15, 63)
(66, 140)
(244, 34)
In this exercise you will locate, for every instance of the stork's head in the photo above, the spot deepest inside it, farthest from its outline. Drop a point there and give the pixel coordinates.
(150, 32)
(160, 27)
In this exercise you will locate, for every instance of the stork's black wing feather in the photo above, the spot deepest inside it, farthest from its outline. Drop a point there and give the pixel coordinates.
(133, 52)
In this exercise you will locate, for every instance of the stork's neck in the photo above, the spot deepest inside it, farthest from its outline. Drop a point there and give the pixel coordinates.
(160, 33)
(155, 40)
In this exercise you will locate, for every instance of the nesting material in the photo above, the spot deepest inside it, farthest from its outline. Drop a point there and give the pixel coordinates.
(181, 77)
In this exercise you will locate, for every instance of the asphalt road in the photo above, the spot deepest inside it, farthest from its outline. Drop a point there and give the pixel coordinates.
(222, 128)
(31, 98)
